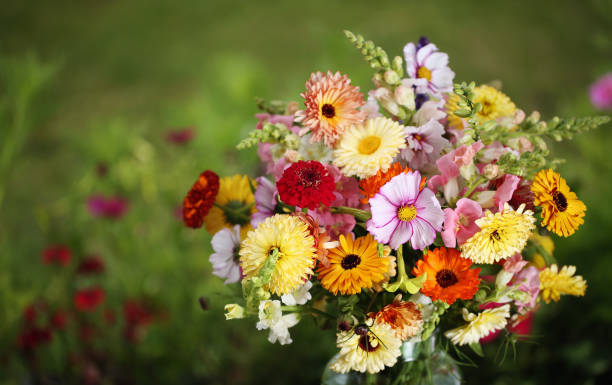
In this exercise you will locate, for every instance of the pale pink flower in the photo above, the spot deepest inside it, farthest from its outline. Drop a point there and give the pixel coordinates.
(265, 200)
(515, 263)
(225, 259)
(460, 224)
(464, 155)
(429, 110)
(505, 190)
(402, 212)
(424, 144)
(334, 224)
(429, 68)
(447, 180)
(529, 279)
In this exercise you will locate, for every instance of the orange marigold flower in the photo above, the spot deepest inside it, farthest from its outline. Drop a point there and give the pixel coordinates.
(562, 211)
(448, 275)
(370, 186)
(403, 317)
(200, 199)
(332, 105)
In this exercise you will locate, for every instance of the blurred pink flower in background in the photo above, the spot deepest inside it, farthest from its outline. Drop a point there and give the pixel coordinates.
(108, 207)
(601, 92)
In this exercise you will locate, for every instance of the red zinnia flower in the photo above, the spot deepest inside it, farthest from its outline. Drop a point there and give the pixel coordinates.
(59, 254)
(200, 199)
(89, 299)
(91, 265)
(306, 184)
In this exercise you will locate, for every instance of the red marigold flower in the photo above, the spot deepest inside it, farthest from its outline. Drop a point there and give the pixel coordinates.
(59, 254)
(91, 265)
(306, 184)
(89, 299)
(200, 199)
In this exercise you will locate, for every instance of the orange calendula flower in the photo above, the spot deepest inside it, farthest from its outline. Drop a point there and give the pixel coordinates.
(332, 105)
(449, 276)
(354, 265)
(200, 199)
(562, 211)
(403, 317)
(372, 185)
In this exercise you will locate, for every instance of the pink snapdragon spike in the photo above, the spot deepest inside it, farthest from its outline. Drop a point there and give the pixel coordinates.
(287, 120)
(424, 144)
(347, 189)
(464, 155)
(265, 200)
(601, 92)
(515, 264)
(429, 68)
(334, 224)
(505, 191)
(460, 224)
(401, 212)
(530, 284)
(447, 181)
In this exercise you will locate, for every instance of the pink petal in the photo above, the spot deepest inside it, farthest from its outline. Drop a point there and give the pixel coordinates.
(401, 235)
(450, 227)
(505, 191)
(423, 234)
(428, 208)
(402, 188)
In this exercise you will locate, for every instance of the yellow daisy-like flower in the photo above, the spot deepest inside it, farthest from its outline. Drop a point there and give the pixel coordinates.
(236, 196)
(367, 148)
(479, 326)
(371, 352)
(290, 236)
(355, 265)
(562, 211)
(555, 283)
(495, 104)
(501, 235)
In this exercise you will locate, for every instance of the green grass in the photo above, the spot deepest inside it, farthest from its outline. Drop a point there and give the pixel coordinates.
(128, 71)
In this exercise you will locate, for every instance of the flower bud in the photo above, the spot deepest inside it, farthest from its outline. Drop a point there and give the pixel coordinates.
(404, 96)
(391, 77)
(491, 171)
(234, 311)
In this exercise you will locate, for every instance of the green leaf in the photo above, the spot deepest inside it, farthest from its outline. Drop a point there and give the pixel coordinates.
(477, 349)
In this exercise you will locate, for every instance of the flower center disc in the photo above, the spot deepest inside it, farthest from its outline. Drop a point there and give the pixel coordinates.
(366, 343)
(328, 111)
(446, 278)
(424, 73)
(351, 261)
(369, 145)
(560, 201)
(406, 213)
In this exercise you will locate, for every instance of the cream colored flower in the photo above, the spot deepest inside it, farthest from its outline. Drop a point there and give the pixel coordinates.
(479, 326)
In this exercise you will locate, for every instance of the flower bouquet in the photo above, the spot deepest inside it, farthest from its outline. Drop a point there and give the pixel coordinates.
(415, 221)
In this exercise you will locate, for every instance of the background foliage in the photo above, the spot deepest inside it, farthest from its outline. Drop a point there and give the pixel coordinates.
(89, 83)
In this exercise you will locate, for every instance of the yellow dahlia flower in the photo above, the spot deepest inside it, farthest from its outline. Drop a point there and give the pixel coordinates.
(555, 283)
(501, 235)
(365, 149)
(296, 252)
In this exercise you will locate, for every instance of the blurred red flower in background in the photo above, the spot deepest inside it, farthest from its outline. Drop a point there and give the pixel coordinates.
(108, 207)
(91, 265)
(181, 136)
(59, 254)
(89, 299)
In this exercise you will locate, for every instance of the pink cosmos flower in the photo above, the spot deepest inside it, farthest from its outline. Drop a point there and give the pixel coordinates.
(424, 144)
(601, 92)
(401, 212)
(460, 224)
(265, 200)
(430, 68)
(113, 207)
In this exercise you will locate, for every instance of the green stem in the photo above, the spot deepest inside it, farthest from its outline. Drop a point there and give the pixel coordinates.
(307, 309)
(472, 186)
(360, 215)
(401, 267)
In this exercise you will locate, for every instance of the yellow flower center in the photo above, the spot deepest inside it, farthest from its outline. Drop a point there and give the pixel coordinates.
(369, 145)
(487, 108)
(424, 73)
(406, 213)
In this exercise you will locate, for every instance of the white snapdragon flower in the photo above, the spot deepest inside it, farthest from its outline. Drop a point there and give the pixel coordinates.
(271, 317)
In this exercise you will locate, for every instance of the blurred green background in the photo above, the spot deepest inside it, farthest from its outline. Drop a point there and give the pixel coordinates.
(101, 82)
